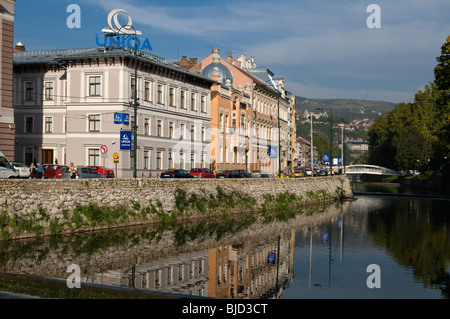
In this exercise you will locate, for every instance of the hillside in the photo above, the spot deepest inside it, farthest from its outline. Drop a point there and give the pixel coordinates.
(347, 108)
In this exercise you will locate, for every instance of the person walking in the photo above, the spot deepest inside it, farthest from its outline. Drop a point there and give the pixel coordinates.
(33, 171)
(72, 171)
(40, 171)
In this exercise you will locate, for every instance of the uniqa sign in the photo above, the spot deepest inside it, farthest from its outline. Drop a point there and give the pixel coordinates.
(122, 35)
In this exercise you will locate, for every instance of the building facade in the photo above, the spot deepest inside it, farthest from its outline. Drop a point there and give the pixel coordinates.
(65, 103)
(7, 125)
(265, 117)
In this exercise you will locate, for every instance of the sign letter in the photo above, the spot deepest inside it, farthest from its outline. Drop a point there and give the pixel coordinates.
(74, 280)
(74, 20)
(374, 280)
(374, 20)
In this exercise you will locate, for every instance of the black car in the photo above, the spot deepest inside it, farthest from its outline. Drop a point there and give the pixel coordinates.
(224, 173)
(176, 173)
(243, 173)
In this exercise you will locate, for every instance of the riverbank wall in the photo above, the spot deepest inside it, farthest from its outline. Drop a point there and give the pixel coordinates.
(30, 208)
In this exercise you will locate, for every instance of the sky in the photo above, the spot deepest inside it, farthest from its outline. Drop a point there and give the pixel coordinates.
(324, 48)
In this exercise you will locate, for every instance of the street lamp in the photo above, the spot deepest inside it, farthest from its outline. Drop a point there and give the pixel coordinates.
(342, 149)
(113, 33)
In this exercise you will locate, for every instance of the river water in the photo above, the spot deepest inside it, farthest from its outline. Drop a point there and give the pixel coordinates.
(379, 245)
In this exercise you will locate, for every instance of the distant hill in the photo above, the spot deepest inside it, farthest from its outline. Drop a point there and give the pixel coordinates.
(347, 108)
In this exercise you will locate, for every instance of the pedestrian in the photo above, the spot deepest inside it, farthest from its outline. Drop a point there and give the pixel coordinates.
(33, 171)
(40, 171)
(72, 171)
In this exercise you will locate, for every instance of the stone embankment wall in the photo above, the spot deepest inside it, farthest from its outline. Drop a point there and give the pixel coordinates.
(57, 199)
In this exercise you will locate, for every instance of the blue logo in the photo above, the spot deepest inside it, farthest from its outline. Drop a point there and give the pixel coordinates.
(272, 152)
(121, 118)
(121, 41)
(125, 140)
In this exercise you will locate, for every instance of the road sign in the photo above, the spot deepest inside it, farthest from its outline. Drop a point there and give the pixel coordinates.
(104, 149)
(116, 157)
(125, 140)
(326, 158)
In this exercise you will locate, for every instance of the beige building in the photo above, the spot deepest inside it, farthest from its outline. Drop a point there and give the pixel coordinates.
(65, 103)
(7, 126)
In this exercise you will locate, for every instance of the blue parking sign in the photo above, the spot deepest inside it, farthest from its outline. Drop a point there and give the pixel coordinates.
(326, 158)
(121, 118)
(125, 140)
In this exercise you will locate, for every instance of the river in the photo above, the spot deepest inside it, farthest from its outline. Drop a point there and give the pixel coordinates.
(381, 244)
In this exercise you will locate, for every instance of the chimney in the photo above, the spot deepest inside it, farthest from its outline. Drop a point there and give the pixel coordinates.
(230, 59)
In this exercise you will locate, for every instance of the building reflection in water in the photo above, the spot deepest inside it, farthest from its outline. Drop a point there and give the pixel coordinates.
(237, 271)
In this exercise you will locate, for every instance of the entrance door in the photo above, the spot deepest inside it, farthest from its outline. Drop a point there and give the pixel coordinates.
(47, 156)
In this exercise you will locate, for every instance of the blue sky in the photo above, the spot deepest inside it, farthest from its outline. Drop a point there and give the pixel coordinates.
(323, 48)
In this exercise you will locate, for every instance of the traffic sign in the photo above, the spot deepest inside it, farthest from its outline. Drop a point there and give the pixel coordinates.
(116, 156)
(104, 149)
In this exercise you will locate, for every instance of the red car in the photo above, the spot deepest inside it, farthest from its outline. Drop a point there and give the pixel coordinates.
(50, 170)
(202, 173)
(109, 173)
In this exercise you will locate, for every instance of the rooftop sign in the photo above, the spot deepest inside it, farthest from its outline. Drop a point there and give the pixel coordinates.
(122, 35)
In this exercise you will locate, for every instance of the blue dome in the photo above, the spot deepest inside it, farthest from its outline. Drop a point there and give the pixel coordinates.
(222, 71)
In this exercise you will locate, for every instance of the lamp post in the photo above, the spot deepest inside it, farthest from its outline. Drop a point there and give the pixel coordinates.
(342, 149)
(112, 33)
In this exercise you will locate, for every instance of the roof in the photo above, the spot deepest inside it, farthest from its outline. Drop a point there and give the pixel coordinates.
(59, 56)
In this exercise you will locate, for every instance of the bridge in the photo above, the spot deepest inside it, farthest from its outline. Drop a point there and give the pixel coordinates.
(358, 172)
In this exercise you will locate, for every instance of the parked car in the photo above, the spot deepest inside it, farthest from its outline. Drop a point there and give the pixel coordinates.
(323, 172)
(308, 172)
(259, 174)
(243, 173)
(82, 172)
(298, 172)
(50, 170)
(226, 173)
(24, 171)
(202, 173)
(7, 170)
(176, 173)
(109, 173)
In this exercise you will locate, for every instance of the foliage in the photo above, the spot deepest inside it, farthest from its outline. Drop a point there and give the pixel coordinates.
(416, 135)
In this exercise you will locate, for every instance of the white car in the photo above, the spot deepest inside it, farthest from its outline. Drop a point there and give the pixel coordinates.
(6, 169)
(24, 171)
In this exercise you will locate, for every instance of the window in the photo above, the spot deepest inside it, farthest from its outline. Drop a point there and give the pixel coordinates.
(203, 135)
(147, 126)
(94, 86)
(181, 160)
(29, 124)
(133, 86)
(183, 99)
(94, 123)
(158, 160)
(170, 131)
(159, 128)
(29, 87)
(146, 160)
(94, 156)
(28, 155)
(221, 123)
(172, 97)
(147, 96)
(48, 124)
(169, 160)
(181, 131)
(193, 104)
(192, 160)
(160, 94)
(49, 91)
(192, 132)
(203, 104)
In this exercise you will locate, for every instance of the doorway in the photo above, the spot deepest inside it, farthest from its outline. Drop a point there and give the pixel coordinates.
(47, 156)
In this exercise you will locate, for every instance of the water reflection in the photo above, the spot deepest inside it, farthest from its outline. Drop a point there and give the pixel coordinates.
(320, 252)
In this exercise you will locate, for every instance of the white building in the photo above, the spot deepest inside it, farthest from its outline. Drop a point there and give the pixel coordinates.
(65, 101)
